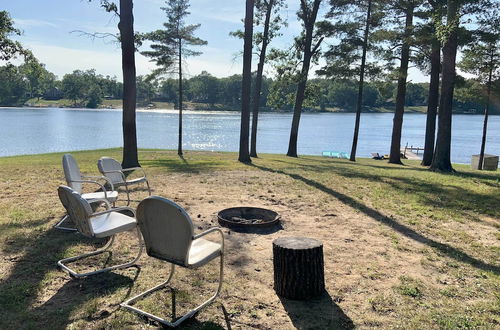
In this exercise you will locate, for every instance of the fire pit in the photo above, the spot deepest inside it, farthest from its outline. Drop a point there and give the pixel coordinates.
(247, 217)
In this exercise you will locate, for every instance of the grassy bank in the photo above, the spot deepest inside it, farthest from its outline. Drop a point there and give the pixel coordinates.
(403, 247)
(117, 104)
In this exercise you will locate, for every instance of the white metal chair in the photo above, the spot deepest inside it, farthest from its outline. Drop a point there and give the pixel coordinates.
(75, 180)
(113, 170)
(100, 224)
(169, 235)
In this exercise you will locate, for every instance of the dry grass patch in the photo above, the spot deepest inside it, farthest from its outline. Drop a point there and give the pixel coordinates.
(403, 247)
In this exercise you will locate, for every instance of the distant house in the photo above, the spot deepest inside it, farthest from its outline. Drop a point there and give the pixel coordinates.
(53, 94)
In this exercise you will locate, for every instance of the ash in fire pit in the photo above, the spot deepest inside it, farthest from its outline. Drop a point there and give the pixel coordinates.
(241, 217)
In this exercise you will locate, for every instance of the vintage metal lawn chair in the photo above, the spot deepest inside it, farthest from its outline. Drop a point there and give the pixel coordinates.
(75, 181)
(99, 224)
(169, 235)
(113, 170)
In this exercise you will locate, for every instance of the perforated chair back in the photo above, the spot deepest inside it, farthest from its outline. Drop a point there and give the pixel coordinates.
(166, 228)
(107, 164)
(72, 173)
(78, 209)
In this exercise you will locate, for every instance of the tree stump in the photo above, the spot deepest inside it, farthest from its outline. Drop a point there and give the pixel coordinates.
(298, 267)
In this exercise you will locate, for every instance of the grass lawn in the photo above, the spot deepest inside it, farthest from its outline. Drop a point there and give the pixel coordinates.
(403, 247)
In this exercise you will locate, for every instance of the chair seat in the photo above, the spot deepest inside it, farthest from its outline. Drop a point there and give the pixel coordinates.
(131, 181)
(111, 223)
(112, 196)
(137, 180)
(202, 251)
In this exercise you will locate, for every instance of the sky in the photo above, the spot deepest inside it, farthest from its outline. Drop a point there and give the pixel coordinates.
(50, 31)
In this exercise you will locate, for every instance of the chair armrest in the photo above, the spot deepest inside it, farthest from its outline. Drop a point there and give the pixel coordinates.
(211, 230)
(94, 182)
(101, 200)
(135, 169)
(100, 177)
(116, 209)
(116, 171)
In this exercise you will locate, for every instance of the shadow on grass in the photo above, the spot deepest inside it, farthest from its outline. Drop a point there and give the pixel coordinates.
(460, 199)
(27, 279)
(326, 164)
(402, 229)
(182, 165)
(24, 224)
(75, 293)
(257, 230)
(317, 313)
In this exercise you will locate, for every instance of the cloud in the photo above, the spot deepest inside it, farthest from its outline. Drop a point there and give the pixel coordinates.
(62, 60)
(33, 23)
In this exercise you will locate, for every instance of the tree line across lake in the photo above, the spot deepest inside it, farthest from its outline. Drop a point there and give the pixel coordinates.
(31, 81)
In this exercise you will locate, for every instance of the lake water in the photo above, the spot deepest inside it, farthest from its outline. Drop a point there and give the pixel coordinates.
(33, 131)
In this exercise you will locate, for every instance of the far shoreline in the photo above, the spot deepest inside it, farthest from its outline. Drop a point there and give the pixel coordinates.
(200, 107)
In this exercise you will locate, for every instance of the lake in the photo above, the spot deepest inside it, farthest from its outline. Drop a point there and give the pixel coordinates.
(33, 131)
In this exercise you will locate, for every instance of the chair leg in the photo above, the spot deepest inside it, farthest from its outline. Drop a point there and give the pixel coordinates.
(128, 194)
(72, 273)
(149, 188)
(128, 303)
(60, 226)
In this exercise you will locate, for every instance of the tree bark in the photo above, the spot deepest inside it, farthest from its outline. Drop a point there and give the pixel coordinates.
(246, 84)
(486, 110)
(126, 27)
(298, 267)
(441, 160)
(432, 103)
(179, 145)
(258, 82)
(309, 21)
(395, 155)
(359, 104)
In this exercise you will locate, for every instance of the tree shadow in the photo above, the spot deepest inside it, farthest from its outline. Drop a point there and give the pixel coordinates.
(27, 278)
(317, 313)
(402, 229)
(257, 230)
(458, 198)
(76, 293)
(182, 165)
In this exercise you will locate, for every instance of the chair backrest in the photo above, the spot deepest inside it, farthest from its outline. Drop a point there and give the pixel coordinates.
(78, 209)
(167, 229)
(106, 164)
(72, 173)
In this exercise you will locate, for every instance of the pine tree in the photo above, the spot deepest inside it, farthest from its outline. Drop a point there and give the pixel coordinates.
(348, 58)
(482, 58)
(170, 46)
(309, 44)
(246, 84)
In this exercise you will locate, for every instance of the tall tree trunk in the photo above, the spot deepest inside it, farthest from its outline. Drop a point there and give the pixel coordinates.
(359, 104)
(179, 145)
(486, 110)
(441, 160)
(258, 82)
(432, 103)
(126, 27)
(246, 84)
(395, 155)
(309, 21)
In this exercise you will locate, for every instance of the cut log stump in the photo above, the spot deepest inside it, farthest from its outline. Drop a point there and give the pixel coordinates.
(298, 267)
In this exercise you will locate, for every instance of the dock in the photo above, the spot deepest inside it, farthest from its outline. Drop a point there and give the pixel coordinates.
(411, 155)
(408, 152)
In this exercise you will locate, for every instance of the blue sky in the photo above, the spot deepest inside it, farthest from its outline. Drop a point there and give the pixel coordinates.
(47, 30)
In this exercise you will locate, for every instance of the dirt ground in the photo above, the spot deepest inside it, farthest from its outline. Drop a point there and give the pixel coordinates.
(378, 273)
